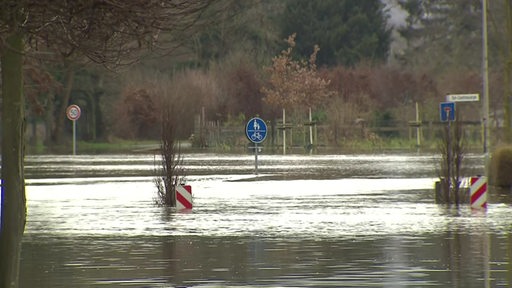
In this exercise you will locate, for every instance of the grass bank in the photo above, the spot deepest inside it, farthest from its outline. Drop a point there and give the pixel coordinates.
(83, 147)
(120, 146)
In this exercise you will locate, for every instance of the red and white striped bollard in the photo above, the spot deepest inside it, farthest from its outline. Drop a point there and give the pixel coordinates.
(183, 197)
(478, 192)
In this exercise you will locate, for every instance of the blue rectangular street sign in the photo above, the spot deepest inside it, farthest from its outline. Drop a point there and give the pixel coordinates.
(447, 111)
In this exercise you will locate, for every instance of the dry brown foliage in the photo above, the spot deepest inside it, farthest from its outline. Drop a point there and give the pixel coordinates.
(364, 90)
(38, 84)
(140, 106)
(239, 84)
(141, 113)
(295, 83)
(385, 86)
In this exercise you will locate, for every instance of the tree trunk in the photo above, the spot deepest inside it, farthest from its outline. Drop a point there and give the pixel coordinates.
(13, 183)
(61, 110)
(92, 103)
(49, 120)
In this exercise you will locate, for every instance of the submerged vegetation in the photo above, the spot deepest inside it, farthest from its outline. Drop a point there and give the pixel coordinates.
(171, 172)
(452, 149)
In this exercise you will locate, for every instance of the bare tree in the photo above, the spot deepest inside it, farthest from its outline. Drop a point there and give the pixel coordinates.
(109, 32)
(172, 172)
(452, 149)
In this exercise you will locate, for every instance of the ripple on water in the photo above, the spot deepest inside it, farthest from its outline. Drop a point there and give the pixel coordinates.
(345, 221)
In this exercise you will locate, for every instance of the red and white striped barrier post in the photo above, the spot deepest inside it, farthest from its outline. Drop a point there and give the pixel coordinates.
(183, 197)
(478, 192)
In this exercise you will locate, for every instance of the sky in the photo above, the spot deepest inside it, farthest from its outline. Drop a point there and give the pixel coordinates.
(397, 14)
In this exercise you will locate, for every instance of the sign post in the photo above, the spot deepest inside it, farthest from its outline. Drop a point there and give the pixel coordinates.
(73, 113)
(256, 132)
(447, 113)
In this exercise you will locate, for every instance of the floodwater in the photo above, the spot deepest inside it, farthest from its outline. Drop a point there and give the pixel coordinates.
(303, 221)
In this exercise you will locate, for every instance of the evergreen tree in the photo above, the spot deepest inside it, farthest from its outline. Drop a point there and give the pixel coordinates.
(248, 26)
(348, 31)
(439, 33)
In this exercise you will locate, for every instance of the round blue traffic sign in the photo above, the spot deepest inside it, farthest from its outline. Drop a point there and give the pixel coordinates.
(256, 130)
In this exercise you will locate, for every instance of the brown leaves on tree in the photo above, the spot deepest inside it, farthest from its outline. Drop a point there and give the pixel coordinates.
(295, 83)
(140, 114)
(38, 84)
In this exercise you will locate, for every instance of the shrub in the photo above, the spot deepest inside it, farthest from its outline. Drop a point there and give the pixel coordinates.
(172, 172)
(501, 165)
(453, 150)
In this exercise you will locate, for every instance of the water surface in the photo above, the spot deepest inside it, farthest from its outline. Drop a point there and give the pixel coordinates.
(303, 221)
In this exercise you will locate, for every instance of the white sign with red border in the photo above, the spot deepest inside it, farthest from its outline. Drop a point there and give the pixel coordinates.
(73, 112)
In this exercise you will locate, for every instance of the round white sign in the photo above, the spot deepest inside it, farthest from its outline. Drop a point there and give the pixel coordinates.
(73, 112)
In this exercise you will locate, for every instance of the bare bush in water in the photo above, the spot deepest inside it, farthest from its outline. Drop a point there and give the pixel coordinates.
(171, 172)
(452, 150)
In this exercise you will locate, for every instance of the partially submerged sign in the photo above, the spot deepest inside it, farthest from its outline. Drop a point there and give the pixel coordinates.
(462, 97)
(256, 130)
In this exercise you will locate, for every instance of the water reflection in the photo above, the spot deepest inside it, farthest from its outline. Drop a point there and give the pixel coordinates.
(355, 227)
(449, 260)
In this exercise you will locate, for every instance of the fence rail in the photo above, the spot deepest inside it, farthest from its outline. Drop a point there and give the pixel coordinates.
(216, 134)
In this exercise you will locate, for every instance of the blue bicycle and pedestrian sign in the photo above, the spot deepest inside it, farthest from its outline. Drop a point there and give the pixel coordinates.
(256, 130)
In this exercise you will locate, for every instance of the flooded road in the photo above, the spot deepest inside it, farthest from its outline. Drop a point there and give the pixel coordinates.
(303, 221)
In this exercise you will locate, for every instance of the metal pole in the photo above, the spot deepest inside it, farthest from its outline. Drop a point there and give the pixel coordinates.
(74, 137)
(256, 158)
(487, 138)
(449, 154)
(485, 72)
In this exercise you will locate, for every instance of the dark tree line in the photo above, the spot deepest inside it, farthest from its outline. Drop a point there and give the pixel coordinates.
(347, 31)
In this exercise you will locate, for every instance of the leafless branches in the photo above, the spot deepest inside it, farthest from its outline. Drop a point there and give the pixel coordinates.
(109, 32)
(452, 149)
(172, 171)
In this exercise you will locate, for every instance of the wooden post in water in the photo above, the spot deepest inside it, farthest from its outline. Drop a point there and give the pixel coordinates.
(418, 129)
(284, 131)
(310, 129)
